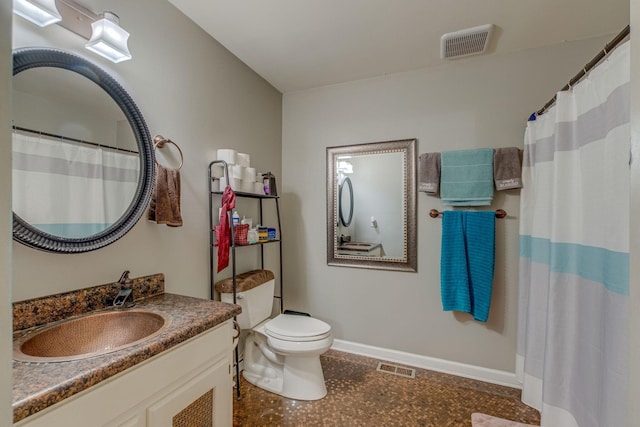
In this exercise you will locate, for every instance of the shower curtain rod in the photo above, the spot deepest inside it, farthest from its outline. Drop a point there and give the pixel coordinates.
(607, 49)
(79, 141)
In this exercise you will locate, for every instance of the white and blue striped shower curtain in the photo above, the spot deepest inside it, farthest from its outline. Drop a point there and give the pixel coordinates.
(70, 190)
(574, 253)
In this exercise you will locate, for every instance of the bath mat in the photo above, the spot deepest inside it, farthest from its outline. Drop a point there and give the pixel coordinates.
(484, 420)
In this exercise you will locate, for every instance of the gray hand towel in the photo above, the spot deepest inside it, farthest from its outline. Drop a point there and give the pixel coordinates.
(507, 172)
(429, 172)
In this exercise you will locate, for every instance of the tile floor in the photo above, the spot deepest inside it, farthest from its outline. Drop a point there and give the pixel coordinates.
(359, 395)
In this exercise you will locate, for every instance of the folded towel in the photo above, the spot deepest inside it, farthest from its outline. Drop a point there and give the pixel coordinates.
(466, 178)
(429, 172)
(164, 207)
(467, 261)
(507, 172)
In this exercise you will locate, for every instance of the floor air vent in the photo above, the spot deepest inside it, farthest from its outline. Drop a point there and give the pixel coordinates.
(396, 370)
(472, 41)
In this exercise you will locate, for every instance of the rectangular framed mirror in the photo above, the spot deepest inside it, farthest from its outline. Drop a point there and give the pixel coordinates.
(371, 205)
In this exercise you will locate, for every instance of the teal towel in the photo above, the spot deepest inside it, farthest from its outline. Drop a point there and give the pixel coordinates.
(466, 177)
(466, 263)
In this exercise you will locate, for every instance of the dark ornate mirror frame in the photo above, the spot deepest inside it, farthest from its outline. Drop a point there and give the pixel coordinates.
(23, 232)
(409, 262)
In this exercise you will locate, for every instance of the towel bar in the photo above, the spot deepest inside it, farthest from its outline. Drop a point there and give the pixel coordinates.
(500, 213)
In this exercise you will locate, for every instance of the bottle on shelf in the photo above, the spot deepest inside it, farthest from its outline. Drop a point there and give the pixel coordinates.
(235, 219)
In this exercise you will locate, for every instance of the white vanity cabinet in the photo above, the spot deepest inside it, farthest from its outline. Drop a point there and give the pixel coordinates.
(187, 385)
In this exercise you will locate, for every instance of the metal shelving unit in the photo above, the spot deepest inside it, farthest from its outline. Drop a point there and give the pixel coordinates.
(215, 195)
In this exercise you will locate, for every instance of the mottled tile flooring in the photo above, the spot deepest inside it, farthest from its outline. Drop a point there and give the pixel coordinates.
(359, 395)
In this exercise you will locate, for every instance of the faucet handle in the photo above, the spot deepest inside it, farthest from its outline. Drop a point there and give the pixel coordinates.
(124, 278)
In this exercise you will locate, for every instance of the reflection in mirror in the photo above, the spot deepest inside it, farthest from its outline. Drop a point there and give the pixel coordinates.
(75, 160)
(345, 202)
(374, 226)
(82, 155)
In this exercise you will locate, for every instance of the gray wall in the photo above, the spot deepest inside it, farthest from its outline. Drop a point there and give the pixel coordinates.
(475, 103)
(6, 417)
(190, 89)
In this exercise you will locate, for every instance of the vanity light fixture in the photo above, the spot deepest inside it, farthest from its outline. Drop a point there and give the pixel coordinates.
(39, 12)
(345, 167)
(109, 39)
(104, 34)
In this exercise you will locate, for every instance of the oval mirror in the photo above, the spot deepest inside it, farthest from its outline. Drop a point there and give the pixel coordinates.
(345, 200)
(82, 154)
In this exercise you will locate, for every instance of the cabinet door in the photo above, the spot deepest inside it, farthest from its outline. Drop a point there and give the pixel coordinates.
(136, 420)
(203, 401)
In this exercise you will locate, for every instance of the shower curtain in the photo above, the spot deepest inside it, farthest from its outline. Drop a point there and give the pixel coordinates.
(70, 190)
(574, 253)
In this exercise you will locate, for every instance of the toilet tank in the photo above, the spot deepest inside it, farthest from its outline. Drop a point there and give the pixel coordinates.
(254, 293)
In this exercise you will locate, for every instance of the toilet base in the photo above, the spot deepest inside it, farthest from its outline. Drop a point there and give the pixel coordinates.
(303, 378)
(293, 377)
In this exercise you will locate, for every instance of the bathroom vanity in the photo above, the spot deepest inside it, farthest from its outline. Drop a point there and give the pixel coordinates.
(177, 378)
(360, 249)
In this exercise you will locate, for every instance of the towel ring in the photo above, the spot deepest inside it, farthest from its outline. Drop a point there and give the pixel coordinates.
(159, 141)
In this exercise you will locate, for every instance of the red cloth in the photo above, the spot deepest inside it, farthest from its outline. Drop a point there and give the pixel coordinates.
(228, 203)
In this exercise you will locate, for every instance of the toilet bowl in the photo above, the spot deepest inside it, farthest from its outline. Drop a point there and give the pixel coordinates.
(281, 355)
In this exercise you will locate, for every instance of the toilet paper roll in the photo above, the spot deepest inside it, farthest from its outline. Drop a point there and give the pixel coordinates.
(235, 184)
(217, 171)
(246, 186)
(258, 188)
(243, 159)
(237, 171)
(249, 174)
(227, 154)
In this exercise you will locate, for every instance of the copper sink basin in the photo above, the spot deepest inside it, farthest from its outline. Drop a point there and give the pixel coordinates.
(91, 335)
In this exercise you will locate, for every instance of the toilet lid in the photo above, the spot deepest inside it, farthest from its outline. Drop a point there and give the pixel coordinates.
(292, 327)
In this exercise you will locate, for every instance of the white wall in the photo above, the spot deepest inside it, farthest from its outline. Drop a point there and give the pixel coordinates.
(6, 335)
(190, 89)
(472, 103)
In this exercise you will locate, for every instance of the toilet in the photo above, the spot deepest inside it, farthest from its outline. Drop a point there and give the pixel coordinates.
(281, 355)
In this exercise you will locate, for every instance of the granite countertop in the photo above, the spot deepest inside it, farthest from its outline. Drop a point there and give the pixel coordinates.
(37, 386)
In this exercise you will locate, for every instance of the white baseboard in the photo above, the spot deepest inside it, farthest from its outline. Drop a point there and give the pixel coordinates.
(493, 376)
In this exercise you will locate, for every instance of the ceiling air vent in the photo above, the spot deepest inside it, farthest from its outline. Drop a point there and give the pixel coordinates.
(471, 41)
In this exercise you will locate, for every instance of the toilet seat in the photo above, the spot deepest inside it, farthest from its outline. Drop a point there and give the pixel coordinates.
(290, 327)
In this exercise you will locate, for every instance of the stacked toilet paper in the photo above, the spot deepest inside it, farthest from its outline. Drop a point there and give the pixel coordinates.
(242, 177)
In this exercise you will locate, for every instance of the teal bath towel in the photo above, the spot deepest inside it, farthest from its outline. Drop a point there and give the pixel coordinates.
(466, 177)
(467, 261)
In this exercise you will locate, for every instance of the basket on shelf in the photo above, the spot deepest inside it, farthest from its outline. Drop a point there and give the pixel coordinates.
(241, 232)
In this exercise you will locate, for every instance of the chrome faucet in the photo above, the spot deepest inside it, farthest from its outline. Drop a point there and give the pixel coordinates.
(125, 291)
